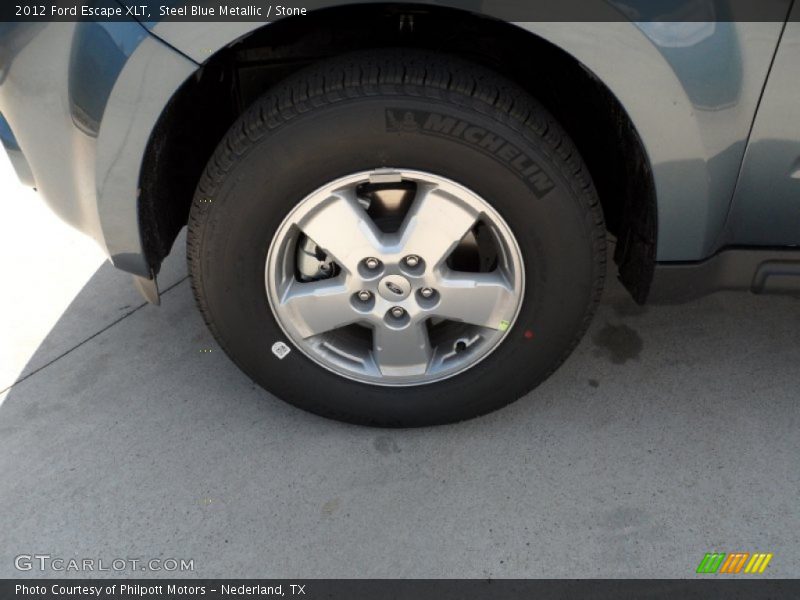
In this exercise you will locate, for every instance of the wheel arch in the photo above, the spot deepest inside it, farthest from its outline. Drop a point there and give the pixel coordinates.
(230, 77)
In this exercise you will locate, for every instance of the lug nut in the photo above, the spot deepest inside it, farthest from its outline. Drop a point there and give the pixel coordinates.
(364, 295)
(412, 261)
(426, 292)
(398, 312)
(372, 263)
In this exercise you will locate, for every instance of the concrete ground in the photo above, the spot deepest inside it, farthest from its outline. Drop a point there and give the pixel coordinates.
(671, 432)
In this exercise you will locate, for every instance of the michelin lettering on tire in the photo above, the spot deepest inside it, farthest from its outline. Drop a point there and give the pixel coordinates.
(401, 120)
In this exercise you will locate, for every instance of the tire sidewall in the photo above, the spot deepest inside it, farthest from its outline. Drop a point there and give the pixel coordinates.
(552, 225)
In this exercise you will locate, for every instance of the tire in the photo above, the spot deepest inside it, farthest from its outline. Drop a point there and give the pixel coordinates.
(405, 110)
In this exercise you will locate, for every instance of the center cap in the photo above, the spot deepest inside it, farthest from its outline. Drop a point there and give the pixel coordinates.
(394, 288)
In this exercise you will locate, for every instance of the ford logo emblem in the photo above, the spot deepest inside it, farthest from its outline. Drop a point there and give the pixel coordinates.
(394, 288)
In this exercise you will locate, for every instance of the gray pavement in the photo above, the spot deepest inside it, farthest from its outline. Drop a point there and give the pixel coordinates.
(671, 432)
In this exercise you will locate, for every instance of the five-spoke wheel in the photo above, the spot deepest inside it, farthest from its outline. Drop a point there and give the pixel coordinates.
(409, 295)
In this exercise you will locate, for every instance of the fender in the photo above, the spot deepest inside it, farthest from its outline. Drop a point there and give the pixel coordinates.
(82, 122)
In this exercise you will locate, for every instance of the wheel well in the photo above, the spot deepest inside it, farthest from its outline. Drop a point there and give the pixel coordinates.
(200, 113)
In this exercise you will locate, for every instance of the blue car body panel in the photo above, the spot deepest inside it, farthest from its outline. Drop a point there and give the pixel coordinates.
(766, 206)
(81, 100)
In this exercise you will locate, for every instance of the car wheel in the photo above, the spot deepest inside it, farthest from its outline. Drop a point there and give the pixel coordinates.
(397, 238)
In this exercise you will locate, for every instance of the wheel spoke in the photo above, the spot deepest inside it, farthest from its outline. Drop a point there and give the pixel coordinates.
(435, 224)
(402, 352)
(484, 299)
(342, 228)
(318, 306)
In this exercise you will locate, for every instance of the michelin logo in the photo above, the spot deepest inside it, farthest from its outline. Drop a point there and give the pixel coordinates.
(429, 123)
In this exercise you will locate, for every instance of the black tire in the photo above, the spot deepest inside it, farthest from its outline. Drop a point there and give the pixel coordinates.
(341, 116)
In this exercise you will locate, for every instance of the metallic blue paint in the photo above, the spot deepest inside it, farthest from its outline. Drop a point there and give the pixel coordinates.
(82, 99)
(99, 52)
(18, 160)
(766, 206)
